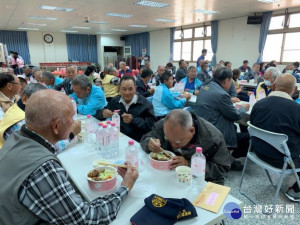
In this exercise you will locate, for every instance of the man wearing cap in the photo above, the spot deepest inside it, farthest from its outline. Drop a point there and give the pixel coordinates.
(181, 132)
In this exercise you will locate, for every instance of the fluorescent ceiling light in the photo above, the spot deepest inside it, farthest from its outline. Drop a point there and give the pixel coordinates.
(138, 25)
(165, 20)
(203, 11)
(85, 28)
(118, 30)
(268, 1)
(97, 22)
(69, 31)
(27, 28)
(119, 15)
(102, 33)
(152, 4)
(35, 24)
(56, 8)
(42, 18)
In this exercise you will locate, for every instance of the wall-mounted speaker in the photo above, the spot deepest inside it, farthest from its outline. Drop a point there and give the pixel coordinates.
(254, 20)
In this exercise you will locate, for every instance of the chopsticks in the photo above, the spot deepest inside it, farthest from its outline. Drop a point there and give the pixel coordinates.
(163, 151)
(114, 165)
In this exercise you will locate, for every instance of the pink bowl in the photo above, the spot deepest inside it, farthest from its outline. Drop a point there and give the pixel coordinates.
(102, 185)
(160, 165)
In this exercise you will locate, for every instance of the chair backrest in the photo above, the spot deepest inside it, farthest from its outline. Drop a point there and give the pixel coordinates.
(150, 99)
(277, 140)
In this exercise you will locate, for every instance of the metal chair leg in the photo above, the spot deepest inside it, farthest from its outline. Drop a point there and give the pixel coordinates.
(270, 179)
(243, 173)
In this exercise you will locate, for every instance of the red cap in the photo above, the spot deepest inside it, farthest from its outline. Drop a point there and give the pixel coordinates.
(100, 124)
(130, 142)
(108, 122)
(116, 111)
(198, 149)
(104, 126)
(88, 116)
(113, 124)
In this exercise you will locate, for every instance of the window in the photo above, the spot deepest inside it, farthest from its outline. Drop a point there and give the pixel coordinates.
(188, 43)
(282, 42)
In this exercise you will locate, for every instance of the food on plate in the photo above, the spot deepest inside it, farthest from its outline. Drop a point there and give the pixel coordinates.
(101, 174)
(160, 156)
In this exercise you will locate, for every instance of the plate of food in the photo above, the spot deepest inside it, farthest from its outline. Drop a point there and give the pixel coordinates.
(102, 178)
(161, 160)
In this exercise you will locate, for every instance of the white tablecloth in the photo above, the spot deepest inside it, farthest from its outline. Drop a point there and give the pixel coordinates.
(78, 159)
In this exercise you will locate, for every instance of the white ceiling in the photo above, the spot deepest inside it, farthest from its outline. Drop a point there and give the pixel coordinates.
(13, 13)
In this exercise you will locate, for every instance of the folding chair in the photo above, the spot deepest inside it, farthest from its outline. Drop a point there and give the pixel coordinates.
(278, 141)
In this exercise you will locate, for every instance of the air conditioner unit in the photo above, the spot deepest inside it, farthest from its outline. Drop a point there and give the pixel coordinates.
(127, 51)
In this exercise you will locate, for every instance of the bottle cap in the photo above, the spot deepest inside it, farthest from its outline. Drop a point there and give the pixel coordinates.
(104, 126)
(116, 111)
(130, 142)
(100, 124)
(113, 124)
(88, 116)
(108, 122)
(198, 149)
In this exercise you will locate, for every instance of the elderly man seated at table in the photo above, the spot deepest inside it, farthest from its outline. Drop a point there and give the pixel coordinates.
(181, 132)
(159, 72)
(50, 80)
(181, 72)
(191, 83)
(263, 89)
(136, 112)
(252, 74)
(142, 83)
(280, 114)
(9, 88)
(163, 100)
(71, 72)
(34, 185)
(214, 104)
(88, 97)
(14, 118)
(203, 75)
(123, 70)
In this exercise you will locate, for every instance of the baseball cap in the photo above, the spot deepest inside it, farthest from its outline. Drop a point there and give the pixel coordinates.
(163, 211)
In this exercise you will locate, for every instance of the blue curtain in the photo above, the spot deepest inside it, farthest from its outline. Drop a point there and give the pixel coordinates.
(138, 42)
(82, 48)
(16, 41)
(172, 32)
(264, 28)
(214, 41)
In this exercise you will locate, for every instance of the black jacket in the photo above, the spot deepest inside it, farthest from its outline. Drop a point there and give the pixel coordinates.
(279, 115)
(142, 113)
(142, 88)
(66, 84)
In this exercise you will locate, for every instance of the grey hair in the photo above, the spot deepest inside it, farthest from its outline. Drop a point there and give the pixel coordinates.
(35, 69)
(82, 81)
(32, 88)
(218, 67)
(45, 106)
(180, 117)
(112, 69)
(26, 68)
(255, 64)
(48, 75)
(72, 66)
(106, 69)
(275, 72)
(123, 63)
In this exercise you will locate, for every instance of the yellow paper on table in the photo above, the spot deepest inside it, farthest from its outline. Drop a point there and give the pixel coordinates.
(212, 197)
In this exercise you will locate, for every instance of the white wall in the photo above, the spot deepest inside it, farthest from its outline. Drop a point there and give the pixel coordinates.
(40, 51)
(238, 41)
(159, 48)
(107, 40)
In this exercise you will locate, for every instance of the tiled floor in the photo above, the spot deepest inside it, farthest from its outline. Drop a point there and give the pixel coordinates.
(256, 184)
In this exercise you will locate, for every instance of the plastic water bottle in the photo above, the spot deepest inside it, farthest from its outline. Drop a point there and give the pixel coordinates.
(62, 90)
(90, 130)
(153, 82)
(108, 122)
(115, 139)
(116, 119)
(252, 100)
(131, 154)
(198, 170)
(99, 138)
(106, 142)
(74, 106)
